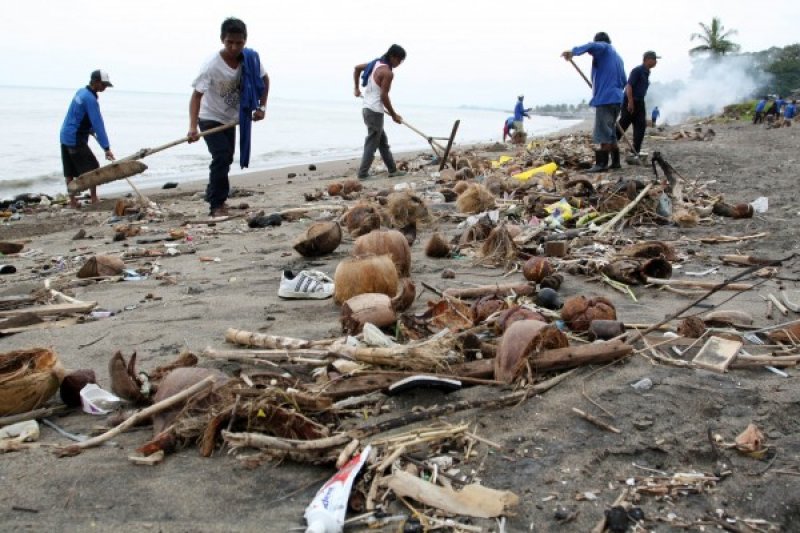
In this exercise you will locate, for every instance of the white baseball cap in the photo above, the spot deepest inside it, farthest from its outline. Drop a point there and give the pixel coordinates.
(102, 76)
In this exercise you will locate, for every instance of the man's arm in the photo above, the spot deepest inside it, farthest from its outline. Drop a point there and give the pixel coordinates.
(384, 80)
(629, 95)
(261, 112)
(356, 75)
(580, 50)
(194, 114)
(96, 118)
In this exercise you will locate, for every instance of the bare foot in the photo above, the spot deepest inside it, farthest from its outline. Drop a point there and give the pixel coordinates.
(73, 203)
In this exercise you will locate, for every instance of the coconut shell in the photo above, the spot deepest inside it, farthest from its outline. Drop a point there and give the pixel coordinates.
(361, 219)
(370, 307)
(537, 268)
(522, 340)
(496, 185)
(390, 242)
(463, 163)
(579, 311)
(460, 187)
(657, 267)
(515, 314)
(437, 246)
(319, 239)
(465, 173)
(359, 275)
(485, 307)
(626, 271)
(406, 294)
(177, 381)
(124, 380)
(475, 199)
(70, 390)
(28, 378)
(449, 195)
(101, 265)
(351, 185)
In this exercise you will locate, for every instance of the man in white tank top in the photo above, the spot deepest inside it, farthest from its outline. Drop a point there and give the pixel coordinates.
(376, 77)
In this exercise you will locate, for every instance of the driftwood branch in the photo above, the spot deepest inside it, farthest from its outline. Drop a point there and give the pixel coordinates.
(505, 289)
(141, 416)
(608, 226)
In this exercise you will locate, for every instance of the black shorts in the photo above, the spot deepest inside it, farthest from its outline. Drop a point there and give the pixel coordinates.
(77, 160)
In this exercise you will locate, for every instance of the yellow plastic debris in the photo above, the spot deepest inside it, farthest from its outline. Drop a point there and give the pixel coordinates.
(502, 160)
(548, 169)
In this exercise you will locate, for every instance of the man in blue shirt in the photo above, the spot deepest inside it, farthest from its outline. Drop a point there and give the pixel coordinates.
(656, 115)
(608, 81)
(84, 119)
(519, 114)
(760, 106)
(633, 108)
(789, 112)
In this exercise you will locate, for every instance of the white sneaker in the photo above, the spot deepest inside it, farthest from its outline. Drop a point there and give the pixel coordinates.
(311, 284)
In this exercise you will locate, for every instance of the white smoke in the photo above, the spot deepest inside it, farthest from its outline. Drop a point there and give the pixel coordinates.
(713, 84)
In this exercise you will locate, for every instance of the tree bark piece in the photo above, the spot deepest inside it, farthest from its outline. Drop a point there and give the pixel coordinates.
(473, 500)
(143, 415)
(505, 289)
(51, 310)
(575, 356)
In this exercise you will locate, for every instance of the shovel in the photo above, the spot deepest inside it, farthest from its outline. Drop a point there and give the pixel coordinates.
(619, 128)
(129, 166)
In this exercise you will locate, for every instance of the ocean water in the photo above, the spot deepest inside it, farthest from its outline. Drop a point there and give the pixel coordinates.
(294, 132)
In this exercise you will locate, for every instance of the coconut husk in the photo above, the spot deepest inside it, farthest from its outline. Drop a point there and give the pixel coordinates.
(406, 294)
(475, 199)
(751, 440)
(521, 341)
(636, 272)
(125, 381)
(101, 265)
(410, 233)
(499, 248)
(513, 314)
(465, 173)
(579, 311)
(28, 378)
(391, 242)
(462, 163)
(370, 307)
(319, 239)
(485, 307)
(406, 208)
(496, 185)
(477, 232)
(650, 249)
(359, 275)
(460, 187)
(685, 218)
(179, 380)
(450, 313)
(437, 246)
(553, 281)
(789, 334)
(361, 219)
(691, 328)
(335, 189)
(537, 268)
(733, 211)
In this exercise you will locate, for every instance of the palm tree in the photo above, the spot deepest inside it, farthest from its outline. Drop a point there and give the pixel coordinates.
(715, 39)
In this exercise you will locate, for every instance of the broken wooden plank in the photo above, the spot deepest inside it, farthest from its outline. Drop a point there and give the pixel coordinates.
(13, 302)
(42, 324)
(716, 354)
(51, 310)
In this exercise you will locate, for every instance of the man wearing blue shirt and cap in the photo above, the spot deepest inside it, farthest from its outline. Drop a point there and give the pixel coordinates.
(608, 81)
(633, 108)
(84, 119)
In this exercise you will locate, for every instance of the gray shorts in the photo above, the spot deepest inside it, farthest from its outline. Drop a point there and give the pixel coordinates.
(605, 124)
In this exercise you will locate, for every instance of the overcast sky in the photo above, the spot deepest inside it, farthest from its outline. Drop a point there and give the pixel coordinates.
(475, 53)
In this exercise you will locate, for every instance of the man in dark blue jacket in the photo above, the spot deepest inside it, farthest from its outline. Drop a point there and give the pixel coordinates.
(84, 119)
(633, 108)
(608, 81)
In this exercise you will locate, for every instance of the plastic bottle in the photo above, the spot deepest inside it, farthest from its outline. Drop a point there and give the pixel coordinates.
(325, 513)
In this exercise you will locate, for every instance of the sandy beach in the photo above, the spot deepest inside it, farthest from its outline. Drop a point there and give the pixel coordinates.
(550, 458)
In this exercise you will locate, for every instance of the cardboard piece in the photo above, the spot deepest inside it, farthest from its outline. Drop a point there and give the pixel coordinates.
(716, 354)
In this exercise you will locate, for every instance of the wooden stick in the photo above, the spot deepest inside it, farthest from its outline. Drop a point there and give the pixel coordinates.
(613, 222)
(700, 284)
(594, 420)
(51, 310)
(144, 414)
(32, 415)
(778, 305)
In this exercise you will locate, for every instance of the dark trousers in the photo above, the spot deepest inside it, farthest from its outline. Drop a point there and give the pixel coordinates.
(759, 117)
(221, 146)
(376, 140)
(639, 120)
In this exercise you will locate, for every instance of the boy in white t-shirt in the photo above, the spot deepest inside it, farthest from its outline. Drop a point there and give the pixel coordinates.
(215, 102)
